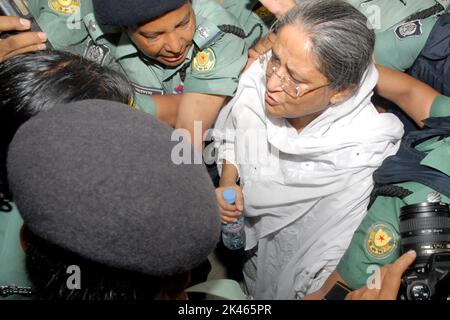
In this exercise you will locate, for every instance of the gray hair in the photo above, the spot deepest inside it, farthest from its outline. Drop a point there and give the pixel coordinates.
(341, 40)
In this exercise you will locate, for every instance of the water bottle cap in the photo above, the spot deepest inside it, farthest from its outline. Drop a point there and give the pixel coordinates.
(229, 195)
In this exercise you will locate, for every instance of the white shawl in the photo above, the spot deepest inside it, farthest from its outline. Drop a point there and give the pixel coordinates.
(323, 174)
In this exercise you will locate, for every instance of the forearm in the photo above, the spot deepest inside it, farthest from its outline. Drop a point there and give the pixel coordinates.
(197, 114)
(411, 95)
(167, 108)
(229, 174)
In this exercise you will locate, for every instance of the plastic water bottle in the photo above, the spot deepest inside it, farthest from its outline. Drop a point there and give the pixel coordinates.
(233, 233)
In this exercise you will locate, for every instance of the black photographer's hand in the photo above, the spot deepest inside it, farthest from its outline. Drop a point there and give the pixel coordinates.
(391, 277)
(22, 42)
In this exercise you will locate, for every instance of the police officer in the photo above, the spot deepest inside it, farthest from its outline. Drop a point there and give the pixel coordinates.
(382, 14)
(183, 57)
(420, 47)
(419, 171)
(377, 239)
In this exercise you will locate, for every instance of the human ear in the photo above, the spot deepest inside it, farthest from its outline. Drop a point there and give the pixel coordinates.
(341, 95)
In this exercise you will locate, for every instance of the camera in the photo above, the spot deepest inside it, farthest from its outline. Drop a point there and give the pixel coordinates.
(425, 228)
(18, 8)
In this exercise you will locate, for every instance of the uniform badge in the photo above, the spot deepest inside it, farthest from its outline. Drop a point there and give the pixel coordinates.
(203, 31)
(178, 89)
(204, 60)
(96, 53)
(381, 241)
(263, 13)
(409, 29)
(64, 7)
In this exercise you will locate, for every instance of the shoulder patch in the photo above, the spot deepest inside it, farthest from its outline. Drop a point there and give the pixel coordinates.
(64, 7)
(204, 60)
(207, 34)
(409, 29)
(381, 240)
(96, 53)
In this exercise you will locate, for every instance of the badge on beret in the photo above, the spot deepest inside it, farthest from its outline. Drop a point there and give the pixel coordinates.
(204, 60)
(381, 240)
(96, 53)
(409, 29)
(64, 7)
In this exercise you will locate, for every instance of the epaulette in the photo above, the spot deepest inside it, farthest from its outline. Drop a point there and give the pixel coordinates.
(206, 34)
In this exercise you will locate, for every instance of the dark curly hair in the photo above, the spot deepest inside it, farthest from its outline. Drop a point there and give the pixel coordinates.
(38, 81)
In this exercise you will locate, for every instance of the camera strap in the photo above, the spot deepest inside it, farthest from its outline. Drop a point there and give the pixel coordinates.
(406, 164)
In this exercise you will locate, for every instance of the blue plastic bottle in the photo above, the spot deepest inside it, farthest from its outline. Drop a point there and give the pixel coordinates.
(233, 234)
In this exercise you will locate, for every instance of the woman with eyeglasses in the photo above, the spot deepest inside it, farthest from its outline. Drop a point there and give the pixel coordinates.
(303, 139)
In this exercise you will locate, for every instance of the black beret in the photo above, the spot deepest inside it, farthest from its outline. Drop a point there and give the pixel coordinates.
(96, 178)
(132, 12)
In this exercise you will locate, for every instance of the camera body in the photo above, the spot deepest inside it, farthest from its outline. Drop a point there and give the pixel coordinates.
(425, 228)
(422, 283)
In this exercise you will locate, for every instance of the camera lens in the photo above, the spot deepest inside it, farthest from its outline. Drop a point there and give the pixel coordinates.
(425, 228)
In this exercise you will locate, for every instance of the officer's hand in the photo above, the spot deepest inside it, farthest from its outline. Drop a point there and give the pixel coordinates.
(278, 7)
(391, 276)
(261, 47)
(22, 42)
(230, 212)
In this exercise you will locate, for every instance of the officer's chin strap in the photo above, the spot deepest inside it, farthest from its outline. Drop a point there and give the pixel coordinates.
(6, 291)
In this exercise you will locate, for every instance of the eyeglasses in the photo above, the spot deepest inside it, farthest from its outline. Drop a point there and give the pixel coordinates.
(291, 87)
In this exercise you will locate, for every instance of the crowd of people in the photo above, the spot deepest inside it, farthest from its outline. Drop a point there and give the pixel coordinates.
(327, 117)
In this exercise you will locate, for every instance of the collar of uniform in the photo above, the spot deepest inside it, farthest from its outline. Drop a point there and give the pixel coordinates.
(438, 157)
(125, 47)
(169, 72)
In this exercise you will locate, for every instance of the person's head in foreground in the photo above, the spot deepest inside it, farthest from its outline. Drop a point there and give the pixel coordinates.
(38, 81)
(319, 58)
(108, 214)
